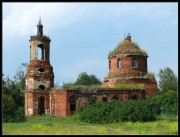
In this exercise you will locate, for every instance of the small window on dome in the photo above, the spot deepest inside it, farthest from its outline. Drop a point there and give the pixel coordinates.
(119, 63)
(145, 61)
(109, 64)
(134, 63)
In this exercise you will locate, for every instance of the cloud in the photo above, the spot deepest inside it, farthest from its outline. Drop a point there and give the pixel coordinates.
(23, 17)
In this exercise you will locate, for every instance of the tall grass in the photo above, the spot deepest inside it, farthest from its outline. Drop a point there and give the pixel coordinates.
(71, 125)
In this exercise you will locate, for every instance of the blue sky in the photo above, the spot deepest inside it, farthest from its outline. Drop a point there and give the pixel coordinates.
(82, 35)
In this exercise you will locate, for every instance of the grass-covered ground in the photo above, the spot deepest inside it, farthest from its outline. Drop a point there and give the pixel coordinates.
(71, 125)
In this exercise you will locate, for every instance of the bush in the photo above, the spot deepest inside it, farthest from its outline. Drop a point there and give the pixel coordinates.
(19, 115)
(167, 102)
(116, 111)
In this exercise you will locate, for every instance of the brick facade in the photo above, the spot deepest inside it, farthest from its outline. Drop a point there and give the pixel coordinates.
(126, 72)
(41, 98)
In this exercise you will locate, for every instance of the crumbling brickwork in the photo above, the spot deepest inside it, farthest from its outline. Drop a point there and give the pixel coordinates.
(39, 76)
(132, 68)
(63, 103)
(127, 64)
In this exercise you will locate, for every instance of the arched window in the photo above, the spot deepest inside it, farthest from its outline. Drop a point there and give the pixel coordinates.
(119, 63)
(145, 62)
(109, 64)
(134, 97)
(104, 99)
(134, 63)
(115, 98)
(40, 52)
(41, 87)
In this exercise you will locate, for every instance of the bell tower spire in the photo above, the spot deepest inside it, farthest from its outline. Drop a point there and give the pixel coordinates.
(39, 28)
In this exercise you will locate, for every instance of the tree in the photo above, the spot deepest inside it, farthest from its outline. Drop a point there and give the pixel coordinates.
(13, 96)
(68, 85)
(87, 80)
(168, 80)
(20, 76)
(8, 108)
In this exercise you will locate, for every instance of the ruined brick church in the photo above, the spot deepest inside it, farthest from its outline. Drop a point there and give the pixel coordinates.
(127, 64)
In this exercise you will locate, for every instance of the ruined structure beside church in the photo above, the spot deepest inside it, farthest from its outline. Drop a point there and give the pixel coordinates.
(127, 64)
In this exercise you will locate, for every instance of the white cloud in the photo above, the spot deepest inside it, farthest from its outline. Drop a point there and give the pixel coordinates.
(23, 17)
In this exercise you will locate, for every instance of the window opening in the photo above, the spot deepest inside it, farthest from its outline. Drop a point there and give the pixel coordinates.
(40, 52)
(115, 98)
(119, 63)
(109, 64)
(41, 70)
(134, 97)
(41, 87)
(104, 99)
(134, 63)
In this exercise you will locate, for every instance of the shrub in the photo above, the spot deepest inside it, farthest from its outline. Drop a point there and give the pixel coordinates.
(116, 111)
(19, 115)
(167, 102)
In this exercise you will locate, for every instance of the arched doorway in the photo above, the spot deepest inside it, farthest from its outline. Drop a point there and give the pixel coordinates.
(115, 98)
(134, 97)
(104, 99)
(41, 101)
(72, 101)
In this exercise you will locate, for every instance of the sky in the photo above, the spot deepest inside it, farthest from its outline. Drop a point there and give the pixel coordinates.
(82, 35)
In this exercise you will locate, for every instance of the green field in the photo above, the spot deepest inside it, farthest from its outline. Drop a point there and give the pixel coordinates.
(71, 125)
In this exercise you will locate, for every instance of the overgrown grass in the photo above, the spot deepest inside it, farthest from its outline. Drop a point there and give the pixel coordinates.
(129, 86)
(128, 50)
(71, 125)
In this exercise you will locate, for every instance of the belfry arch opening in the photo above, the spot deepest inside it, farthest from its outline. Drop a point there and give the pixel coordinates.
(41, 87)
(41, 103)
(72, 101)
(40, 52)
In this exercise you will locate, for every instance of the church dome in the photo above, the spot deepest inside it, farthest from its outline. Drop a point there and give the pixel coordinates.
(127, 47)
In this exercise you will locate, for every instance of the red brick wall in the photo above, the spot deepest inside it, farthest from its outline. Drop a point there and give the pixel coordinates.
(150, 85)
(28, 103)
(127, 65)
(31, 101)
(62, 103)
(62, 107)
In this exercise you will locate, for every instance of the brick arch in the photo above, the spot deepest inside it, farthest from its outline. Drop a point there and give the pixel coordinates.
(135, 97)
(41, 87)
(104, 99)
(115, 97)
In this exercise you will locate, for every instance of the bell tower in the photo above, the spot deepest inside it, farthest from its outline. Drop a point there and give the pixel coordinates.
(40, 75)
